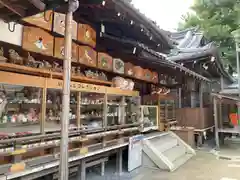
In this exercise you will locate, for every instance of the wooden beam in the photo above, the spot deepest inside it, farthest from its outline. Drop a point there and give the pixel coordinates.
(38, 4)
(13, 8)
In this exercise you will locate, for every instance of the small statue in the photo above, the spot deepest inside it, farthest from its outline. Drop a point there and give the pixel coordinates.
(96, 75)
(57, 67)
(3, 103)
(89, 74)
(119, 82)
(14, 57)
(73, 70)
(78, 71)
(72, 99)
(47, 65)
(130, 84)
(32, 115)
(30, 61)
(40, 65)
(2, 58)
(50, 115)
(103, 76)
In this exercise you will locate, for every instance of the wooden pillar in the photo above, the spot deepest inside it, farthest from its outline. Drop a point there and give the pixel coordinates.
(119, 162)
(43, 110)
(193, 99)
(63, 170)
(216, 122)
(201, 95)
(78, 109)
(105, 118)
(222, 83)
(179, 97)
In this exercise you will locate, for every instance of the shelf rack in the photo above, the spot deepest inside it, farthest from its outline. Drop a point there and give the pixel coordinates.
(16, 151)
(166, 109)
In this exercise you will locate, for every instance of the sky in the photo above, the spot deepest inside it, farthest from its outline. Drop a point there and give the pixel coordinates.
(167, 13)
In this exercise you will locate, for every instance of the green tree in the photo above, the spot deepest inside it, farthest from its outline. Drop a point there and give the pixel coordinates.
(217, 19)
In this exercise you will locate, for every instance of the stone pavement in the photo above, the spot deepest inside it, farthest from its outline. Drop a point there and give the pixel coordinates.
(204, 166)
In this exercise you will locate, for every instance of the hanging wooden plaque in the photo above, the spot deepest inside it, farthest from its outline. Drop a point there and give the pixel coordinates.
(105, 61)
(86, 34)
(138, 72)
(128, 69)
(42, 20)
(87, 56)
(118, 66)
(59, 25)
(155, 77)
(37, 40)
(59, 49)
(147, 75)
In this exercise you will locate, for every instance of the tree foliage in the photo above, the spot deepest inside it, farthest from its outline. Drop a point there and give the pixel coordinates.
(217, 19)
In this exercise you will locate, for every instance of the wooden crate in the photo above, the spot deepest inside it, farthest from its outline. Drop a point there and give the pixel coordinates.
(87, 56)
(86, 35)
(105, 61)
(40, 21)
(59, 25)
(59, 49)
(37, 40)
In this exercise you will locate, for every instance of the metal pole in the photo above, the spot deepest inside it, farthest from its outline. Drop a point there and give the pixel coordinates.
(72, 7)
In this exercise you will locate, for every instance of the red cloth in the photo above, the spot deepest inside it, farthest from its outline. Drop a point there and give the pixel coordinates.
(234, 118)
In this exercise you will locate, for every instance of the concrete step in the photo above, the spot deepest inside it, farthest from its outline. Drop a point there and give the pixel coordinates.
(164, 143)
(181, 160)
(167, 151)
(175, 152)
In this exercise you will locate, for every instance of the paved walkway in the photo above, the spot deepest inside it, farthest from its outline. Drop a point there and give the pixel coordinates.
(204, 166)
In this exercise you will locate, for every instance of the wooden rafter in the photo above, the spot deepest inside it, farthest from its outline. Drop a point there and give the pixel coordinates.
(38, 4)
(14, 9)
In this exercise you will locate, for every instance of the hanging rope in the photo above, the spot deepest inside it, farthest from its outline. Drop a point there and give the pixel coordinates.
(49, 17)
(13, 27)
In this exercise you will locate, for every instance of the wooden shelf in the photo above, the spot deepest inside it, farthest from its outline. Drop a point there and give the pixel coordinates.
(42, 72)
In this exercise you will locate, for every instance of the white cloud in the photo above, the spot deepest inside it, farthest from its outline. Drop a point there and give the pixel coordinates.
(167, 13)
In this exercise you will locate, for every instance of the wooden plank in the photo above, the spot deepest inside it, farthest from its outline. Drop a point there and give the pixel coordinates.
(17, 10)
(116, 91)
(21, 79)
(76, 86)
(23, 69)
(42, 72)
(96, 162)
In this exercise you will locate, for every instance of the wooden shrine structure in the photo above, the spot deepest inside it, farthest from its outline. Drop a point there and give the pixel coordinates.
(117, 56)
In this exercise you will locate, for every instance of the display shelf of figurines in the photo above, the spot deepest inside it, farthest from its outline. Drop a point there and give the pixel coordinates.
(30, 110)
(166, 108)
(149, 117)
(22, 108)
